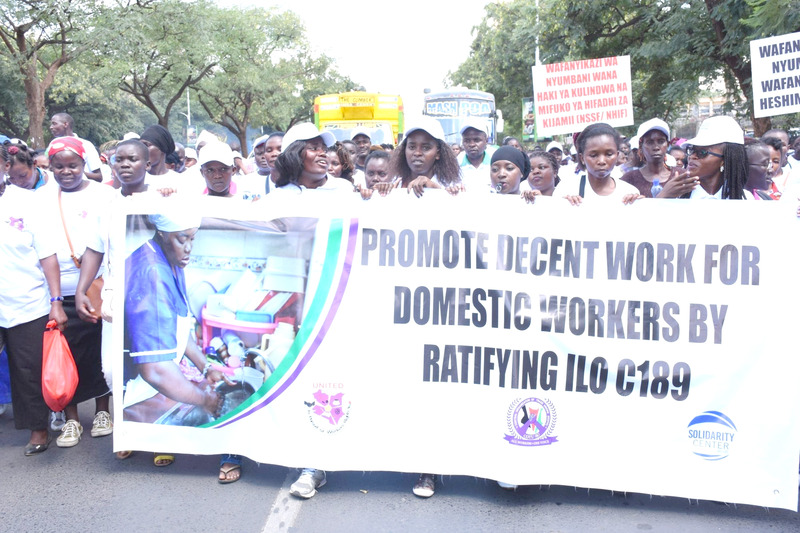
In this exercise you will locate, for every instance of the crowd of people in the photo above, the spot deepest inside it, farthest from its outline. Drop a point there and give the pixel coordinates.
(55, 246)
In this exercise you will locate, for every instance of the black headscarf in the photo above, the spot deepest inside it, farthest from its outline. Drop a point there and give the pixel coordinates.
(160, 137)
(509, 153)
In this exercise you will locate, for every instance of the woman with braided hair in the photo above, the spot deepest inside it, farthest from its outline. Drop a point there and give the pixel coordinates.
(718, 160)
(22, 171)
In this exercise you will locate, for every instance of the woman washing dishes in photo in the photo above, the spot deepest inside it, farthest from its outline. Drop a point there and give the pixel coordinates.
(158, 322)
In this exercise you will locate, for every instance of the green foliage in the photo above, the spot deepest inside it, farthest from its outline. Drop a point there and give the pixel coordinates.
(266, 74)
(101, 111)
(37, 39)
(673, 44)
(773, 17)
(158, 51)
(13, 115)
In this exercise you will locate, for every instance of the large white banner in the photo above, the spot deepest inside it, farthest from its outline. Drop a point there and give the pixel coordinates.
(775, 63)
(645, 348)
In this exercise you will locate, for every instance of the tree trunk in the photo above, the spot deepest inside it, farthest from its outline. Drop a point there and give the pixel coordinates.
(741, 71)
(761, 126)
(34, 102)
(243, 142)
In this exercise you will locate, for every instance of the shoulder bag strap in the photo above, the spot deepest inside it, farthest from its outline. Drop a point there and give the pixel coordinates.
(64, 225)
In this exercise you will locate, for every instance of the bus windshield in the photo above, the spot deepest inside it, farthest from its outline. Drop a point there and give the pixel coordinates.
(452, 108)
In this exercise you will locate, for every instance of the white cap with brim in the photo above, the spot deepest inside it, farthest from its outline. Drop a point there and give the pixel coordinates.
(206, 137)
(717, 130)
(554, 144)
(190, 153)
(261, 140)
(429, 125)
(475, 123)
(653, 124)
(634, 142)
(216, 151)
(130, 135)
(176, 222)
(305, 131)
(360, 130)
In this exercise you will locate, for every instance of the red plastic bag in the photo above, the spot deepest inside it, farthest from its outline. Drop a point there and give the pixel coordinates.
(59, 373)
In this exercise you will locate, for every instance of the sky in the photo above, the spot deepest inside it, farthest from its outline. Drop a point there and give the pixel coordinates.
(392, 48)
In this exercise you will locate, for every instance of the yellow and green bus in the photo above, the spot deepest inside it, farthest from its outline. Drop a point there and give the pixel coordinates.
(381, 114)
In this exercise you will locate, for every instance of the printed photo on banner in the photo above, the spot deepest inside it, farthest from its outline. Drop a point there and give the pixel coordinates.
(211, 307)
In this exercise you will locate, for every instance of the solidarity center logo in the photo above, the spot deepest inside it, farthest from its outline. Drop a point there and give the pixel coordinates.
(531, 422)
(711, 435)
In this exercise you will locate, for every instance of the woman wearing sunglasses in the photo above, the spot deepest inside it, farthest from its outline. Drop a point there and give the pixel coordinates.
(718, 160)
(717, 163)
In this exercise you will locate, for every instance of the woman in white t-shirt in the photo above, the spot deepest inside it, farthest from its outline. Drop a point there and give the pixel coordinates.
(81, 204)
(424, 159)
(303, 163)
(301, 166)
(30, 278)
(598, 148)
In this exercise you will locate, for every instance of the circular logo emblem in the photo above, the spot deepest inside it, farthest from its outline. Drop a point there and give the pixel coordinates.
(531, 422)
(711, 435)
(328, 412)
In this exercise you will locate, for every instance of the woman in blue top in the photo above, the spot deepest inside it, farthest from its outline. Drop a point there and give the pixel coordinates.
(158, 322)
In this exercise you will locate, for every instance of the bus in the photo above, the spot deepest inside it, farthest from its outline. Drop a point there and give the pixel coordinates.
(451, 107)
(381, 114)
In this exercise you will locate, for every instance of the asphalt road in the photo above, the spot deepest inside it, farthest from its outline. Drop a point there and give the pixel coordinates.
(86, 489)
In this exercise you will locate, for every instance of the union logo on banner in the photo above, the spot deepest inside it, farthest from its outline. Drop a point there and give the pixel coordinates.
(531, 422)
(328, 411)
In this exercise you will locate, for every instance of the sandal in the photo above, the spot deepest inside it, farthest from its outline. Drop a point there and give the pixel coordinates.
(425, 486)
(163, 459)
(225, 472)
(124, 454)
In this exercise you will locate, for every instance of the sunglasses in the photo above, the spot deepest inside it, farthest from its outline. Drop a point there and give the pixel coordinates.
(700, 153)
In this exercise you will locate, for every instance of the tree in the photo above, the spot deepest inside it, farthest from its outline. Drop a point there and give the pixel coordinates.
(159, 51)
(13, 115)
(265, 74)
(673, 44)
(40, 37)
(100, 110)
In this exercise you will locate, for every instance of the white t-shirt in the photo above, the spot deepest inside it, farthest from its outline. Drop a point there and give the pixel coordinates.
(253, 183)
(359, 178)
(570, 186)
(84, 214)
(332, 184)
(26, 232)
(699, 193)
(170, 180)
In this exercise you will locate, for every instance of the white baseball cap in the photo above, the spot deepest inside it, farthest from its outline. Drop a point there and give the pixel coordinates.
(554, 144)
(476, 123)
(261, 140)
(216, 151)
(305, 131)
(717, 130)
(429, 125)
(653, 124)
